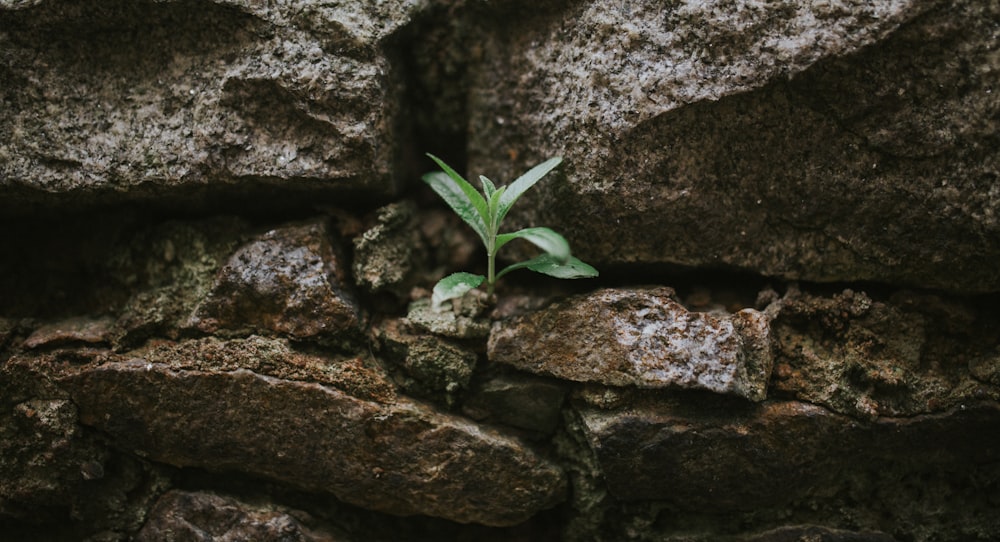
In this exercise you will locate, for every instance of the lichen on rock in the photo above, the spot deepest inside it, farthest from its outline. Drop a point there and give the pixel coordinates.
(642, 338)
(432, 367)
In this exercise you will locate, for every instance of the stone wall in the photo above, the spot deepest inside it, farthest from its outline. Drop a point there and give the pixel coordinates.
(217, 256)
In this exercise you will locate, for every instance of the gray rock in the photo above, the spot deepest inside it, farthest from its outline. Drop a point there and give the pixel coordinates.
(868, 358)
(695, 454)
(825, 141)
(641, 338)
(290, 280)
(167, 270)
(386, 255)
(522, 401)
(812, 533)
(399, 457)
(986, 368)
(171, 97)
(432, 367)
(463, 321)
(72, 330)
(200, 515)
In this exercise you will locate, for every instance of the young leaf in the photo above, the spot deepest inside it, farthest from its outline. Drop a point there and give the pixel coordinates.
(524, 182)
(543, 238)
(494, 206)
(488, 187)
(454, 285)
(459, 201)
(447, 190)
(546, 264)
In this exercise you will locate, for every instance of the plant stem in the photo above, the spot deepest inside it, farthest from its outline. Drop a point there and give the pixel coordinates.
(490, 271)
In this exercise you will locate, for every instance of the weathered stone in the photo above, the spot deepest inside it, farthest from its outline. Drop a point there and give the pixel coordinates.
(641, 338)
(73, 330)
(290, 280)
(42, 453)
(522, 401)
(987, 368)
(182, 515)
(170, 97)
(739, 457)
(55, 477)
(906, 355)
(826, 141)
(400, 458)
(434, 367)
(167, 269)
(800, 533)
(465, 321)
(270, 357)
(386, 255)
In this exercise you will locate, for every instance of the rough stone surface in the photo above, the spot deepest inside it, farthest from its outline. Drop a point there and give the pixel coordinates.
(73, 330)
(166, 270)
(817, 534)
(181, 516)
(824, 141)
(290, 280)
(401, 457)
(433, 367)
(464, 321)
(641, 338)
(60, 481)
(729, 457)
(523, 401)
(176, 329)
(171, 96)
(386, 256)
(354, 375)
(906, 355)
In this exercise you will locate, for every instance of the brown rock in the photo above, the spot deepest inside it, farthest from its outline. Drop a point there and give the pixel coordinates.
(905, 355)
(73, 330)
(354, 375)
(289, 280)
(824, 141)
(432, 367)
(742, 457)
(804, 533)
(523, 401)
(400, 458)
(155, 99)
(181, 516)
(639, 338)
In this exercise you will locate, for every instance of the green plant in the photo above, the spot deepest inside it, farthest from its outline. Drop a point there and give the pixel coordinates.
(484, 213)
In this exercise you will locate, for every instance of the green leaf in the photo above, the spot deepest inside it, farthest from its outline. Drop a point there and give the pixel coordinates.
(494, 206)
(543, 238)
(488, 187)
(454, 285)
(460, 195)
(524, 182)
(546, 264)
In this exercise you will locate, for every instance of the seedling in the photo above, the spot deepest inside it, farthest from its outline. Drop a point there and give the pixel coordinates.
(484, 213)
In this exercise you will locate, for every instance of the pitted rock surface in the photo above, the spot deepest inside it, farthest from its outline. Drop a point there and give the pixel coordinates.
(199, 515)
(767, 136)
(907, 355)
(170, 97)
(641, 338)
(737, 457)
(290, 280)
(400, 457)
